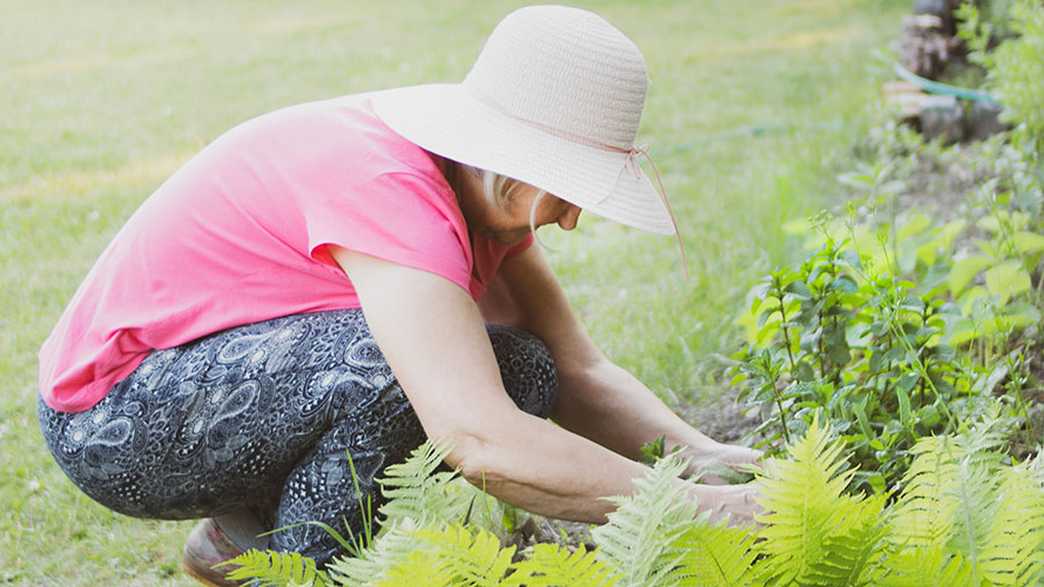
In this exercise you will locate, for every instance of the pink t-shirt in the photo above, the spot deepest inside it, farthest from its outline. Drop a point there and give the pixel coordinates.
(239, 235)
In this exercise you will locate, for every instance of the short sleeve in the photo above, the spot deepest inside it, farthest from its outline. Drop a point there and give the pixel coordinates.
(400, 217)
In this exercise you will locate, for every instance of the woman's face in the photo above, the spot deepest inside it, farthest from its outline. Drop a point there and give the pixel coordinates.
(508, 222)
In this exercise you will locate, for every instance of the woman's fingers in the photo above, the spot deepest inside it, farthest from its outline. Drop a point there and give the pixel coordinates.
(724, 464)
(740, 455)
(737, 503)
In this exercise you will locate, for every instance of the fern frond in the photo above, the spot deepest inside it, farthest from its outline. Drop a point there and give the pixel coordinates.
(276, 569)
(949, 492)
(486, 512)
(640, 539)
(453, 556)
(416, 491)
(718, 556)
(395, 543)
(420, 567)
(1036, 467)
(854, 551)
(919, 567)
(924, 514)
(974, 490)
(802, 498)
(552, 565)
(986, 437)
(1013, 553)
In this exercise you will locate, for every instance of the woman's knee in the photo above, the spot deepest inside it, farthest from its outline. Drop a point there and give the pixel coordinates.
(526, 367)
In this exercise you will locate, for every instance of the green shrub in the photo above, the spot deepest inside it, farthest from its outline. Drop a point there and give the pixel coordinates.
(1015, 68)
(898, 326)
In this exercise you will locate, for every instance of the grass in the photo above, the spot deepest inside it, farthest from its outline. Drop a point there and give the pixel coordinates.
(103, 100)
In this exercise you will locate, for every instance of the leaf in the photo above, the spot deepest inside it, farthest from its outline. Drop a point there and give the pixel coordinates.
(800, 290)
(813, 534)
(1014, 550)
(1028, 243)
(905, 415)
(717, 556)
(654, 450)
(416, 490)
(553, 565)
(907, 381)
(838, 351)
(452, 556)
(804, 372)
(964, 270)
(859, 408)
(929, 416)
(640, 539)
(985, 383)
(975, 297)
(933, 565)
(916, 224)
(989, 223)
(856, 549)
(1007, 280)
(925, 511)
(393, 546)
(271, 568)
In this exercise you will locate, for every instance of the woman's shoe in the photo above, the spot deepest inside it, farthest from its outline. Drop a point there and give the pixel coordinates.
(207, 546)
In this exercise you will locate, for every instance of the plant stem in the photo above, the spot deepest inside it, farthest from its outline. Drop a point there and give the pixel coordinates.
(924, 372)
(782, 413)
(783, 325)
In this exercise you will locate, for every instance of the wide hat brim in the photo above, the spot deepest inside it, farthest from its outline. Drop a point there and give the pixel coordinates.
(445, 119)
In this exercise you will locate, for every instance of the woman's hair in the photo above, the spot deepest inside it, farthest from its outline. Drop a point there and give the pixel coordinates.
(500, 189)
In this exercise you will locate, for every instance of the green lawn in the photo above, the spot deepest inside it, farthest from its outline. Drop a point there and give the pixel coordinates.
(103, 100)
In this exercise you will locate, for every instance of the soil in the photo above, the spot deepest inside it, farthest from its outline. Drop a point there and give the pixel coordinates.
(721, 418)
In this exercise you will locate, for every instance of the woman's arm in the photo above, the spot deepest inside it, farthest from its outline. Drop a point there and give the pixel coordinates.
(434, 339)
(598, 399)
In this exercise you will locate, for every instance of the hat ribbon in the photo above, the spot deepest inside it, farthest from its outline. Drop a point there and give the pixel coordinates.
(633, 164)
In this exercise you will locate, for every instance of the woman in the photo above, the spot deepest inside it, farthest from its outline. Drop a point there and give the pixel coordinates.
(350, 276)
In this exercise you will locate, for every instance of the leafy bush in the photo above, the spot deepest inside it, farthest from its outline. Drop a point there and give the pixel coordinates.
(878, 354)
(898, 325)
(963, 518)
(1015, 68)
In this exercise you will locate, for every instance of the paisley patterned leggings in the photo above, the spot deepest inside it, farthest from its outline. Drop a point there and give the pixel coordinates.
(261, 416)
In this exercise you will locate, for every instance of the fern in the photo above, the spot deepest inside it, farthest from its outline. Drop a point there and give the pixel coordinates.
(551, 565)
(641, 539)
(718, 556)
(855, 550)
(949, 498)
(416, 496)
(806, 511)
(934, 565)
(973, 489)
(271, 568)
(453, 556)
(926, 509)
(962, 519)
(415, 490)
(1014, 548)
(372, 564)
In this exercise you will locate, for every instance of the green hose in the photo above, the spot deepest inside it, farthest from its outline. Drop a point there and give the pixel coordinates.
(933, 87)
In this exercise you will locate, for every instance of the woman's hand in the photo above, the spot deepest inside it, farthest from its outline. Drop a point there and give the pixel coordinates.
(712, 460)
(736, 502)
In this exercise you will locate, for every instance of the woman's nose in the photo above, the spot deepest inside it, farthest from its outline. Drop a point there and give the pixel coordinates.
(568, 219)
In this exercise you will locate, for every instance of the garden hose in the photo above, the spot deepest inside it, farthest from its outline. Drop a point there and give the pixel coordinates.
(939, 88)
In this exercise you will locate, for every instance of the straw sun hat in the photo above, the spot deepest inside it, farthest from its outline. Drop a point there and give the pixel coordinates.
(554, 100)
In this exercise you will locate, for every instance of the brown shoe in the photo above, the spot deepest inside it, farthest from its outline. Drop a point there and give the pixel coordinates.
(207, 546)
